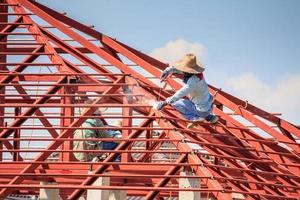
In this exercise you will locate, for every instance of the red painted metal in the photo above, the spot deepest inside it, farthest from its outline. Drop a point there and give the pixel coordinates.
(41, 91)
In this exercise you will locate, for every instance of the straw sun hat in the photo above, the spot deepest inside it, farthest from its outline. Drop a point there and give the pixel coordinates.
(189, 64)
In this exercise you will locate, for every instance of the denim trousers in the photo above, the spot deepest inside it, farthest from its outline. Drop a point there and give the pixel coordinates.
(188, 110)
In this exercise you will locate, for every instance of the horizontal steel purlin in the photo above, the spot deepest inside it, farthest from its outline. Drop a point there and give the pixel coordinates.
(39, 113)
(106, 187)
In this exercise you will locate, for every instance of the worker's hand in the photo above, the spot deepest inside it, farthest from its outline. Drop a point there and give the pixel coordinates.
(164, 75)
(161, 105)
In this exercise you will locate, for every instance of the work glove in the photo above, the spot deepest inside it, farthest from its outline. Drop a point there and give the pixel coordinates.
(164, 75)
(161, 105)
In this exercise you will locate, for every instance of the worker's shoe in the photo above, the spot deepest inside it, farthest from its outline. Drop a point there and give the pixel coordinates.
(191, 125)
(195, 122)
(212, 118)
(103, 156)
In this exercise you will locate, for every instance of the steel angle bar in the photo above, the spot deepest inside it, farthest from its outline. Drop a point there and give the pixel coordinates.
(55, 144)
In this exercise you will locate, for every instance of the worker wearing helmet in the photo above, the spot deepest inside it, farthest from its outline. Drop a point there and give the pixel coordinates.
(198, 106)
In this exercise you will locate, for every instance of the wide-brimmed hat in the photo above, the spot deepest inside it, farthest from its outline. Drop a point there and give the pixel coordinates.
(189, 64)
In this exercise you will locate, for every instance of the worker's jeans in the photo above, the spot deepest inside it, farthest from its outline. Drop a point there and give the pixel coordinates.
(189, 111)
(109, 145)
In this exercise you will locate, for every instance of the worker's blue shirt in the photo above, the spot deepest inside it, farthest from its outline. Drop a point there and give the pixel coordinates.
(195, 89)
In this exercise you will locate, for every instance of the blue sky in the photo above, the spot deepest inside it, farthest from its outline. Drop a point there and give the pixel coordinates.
(251, 48)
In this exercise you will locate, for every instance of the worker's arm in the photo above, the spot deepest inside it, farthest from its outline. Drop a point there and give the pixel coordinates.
(184, 91)
(168, 71)
(90, 134)
(115, 134)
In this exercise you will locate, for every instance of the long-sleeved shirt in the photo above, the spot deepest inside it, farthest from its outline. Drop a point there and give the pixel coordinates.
(89, 134)
(195, 89)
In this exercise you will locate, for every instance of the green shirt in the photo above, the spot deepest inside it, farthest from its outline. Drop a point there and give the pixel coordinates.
(88, 145)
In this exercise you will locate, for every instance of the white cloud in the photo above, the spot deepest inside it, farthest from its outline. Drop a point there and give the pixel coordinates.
(175, 50)
(281, 97)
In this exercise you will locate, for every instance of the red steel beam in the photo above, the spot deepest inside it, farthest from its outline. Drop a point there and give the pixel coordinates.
(163, 182)
(130, 53)
(105, 187)
(237, 108)
(154, 146)
(84, 42)
(254, 171)
(97, 35)
(282, 175)
(185, 147)
(4, 192)
(68, 111)
(17, 122)
(39, 114)
(15, 46)
(21, 67)
(123, 145)
(261, 124)
(229, 99)
(32, 109)
(8, 29)
(17, 134)
(193, 159)
(260, 145)
(127, 122)
(71, 50)
(3, 59)
(232, 141)
(119, 174)
(29, 49)
(40, 28)
(10, 77)
(39, 37)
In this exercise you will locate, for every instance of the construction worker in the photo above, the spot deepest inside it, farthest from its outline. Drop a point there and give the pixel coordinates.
(198, 106)
(93, 134)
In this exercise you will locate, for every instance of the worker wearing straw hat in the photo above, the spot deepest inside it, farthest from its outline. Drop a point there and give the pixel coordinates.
(93, 134)
(198, 106)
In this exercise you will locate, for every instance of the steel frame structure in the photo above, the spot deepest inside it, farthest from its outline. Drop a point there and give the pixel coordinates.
(48, 61)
